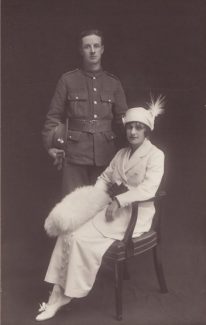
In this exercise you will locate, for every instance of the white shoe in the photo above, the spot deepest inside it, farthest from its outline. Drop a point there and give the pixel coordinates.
(48, 311)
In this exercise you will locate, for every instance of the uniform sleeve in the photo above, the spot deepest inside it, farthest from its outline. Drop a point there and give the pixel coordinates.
(150, 184)
(56, 112)
(120, 107)
(120, 104)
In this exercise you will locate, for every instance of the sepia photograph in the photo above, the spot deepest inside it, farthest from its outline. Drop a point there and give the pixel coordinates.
(103, 214)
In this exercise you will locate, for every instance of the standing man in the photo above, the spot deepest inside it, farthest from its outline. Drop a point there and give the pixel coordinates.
(92, 102)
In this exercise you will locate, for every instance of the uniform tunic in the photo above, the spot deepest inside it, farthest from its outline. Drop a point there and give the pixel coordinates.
(77, 256)
(92, 96)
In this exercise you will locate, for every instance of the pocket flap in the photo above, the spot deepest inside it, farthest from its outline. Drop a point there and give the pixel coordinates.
(78, 95)
(107, 97)
(74, 135)
(110, 135)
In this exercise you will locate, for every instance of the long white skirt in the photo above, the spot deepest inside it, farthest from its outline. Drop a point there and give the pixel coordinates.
(76, 260)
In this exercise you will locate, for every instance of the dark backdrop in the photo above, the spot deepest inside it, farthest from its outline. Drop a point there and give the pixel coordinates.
(152, 46)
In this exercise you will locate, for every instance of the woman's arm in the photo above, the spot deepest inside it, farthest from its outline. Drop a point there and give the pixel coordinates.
(150, 184)
(105, 180)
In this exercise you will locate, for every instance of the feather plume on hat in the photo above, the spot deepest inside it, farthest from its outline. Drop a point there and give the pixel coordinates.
(144, 115)
(156, 106)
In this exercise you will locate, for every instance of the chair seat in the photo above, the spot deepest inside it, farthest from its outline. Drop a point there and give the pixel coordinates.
(117, 251)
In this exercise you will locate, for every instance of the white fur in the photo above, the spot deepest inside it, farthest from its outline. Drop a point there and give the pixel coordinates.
(75, 209)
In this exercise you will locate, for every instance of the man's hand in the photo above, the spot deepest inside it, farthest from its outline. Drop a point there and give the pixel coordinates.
(111, 210)
(58, 155)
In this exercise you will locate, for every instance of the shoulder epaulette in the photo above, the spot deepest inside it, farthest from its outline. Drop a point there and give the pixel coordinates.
(112, 75)
(70, 72)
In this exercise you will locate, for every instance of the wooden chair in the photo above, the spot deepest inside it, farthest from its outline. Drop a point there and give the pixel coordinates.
(120, 251)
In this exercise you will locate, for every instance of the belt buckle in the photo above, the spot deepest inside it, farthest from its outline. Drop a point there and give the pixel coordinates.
(92, 125)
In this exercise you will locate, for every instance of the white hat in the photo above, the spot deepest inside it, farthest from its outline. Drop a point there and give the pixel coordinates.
(143, 115)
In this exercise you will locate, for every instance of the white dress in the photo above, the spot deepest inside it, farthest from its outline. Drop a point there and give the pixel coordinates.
(77, 256)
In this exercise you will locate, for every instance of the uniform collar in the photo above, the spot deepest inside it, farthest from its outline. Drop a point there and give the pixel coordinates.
(92, 74)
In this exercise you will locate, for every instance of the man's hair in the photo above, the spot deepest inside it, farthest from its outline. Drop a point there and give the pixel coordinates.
(91, 32)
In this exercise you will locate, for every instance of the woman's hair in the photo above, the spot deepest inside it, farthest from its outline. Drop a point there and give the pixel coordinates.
(147, 131)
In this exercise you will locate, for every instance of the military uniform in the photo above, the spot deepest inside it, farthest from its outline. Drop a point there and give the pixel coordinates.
(94, 103)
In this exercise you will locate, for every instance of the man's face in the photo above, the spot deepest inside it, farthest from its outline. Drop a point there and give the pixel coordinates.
(92, 49)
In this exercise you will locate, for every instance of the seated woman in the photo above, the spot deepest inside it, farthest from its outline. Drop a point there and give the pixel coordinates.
(77, 255)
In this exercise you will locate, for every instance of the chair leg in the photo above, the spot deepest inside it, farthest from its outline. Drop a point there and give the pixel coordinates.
(159, 270)
(118, 289)
(126, 275)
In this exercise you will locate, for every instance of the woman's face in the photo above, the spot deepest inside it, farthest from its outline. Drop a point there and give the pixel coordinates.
(135, 132)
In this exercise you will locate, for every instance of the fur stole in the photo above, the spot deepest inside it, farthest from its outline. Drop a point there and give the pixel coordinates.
(75, 209)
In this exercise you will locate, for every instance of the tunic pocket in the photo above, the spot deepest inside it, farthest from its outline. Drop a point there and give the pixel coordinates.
(107, 97)
(78, 103)
(109, 135)
(78, 95)
(106, 101)
(74, 136)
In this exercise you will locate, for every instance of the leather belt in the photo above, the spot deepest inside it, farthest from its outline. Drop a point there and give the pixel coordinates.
(90, 126)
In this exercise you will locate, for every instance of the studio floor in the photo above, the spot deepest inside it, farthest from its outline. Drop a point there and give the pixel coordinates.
(143, 304)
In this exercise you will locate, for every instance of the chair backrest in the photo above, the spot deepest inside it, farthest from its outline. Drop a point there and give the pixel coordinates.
(159, 205)
(158, 202)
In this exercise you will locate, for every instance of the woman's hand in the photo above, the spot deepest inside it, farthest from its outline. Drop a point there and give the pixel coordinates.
(111, 210)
